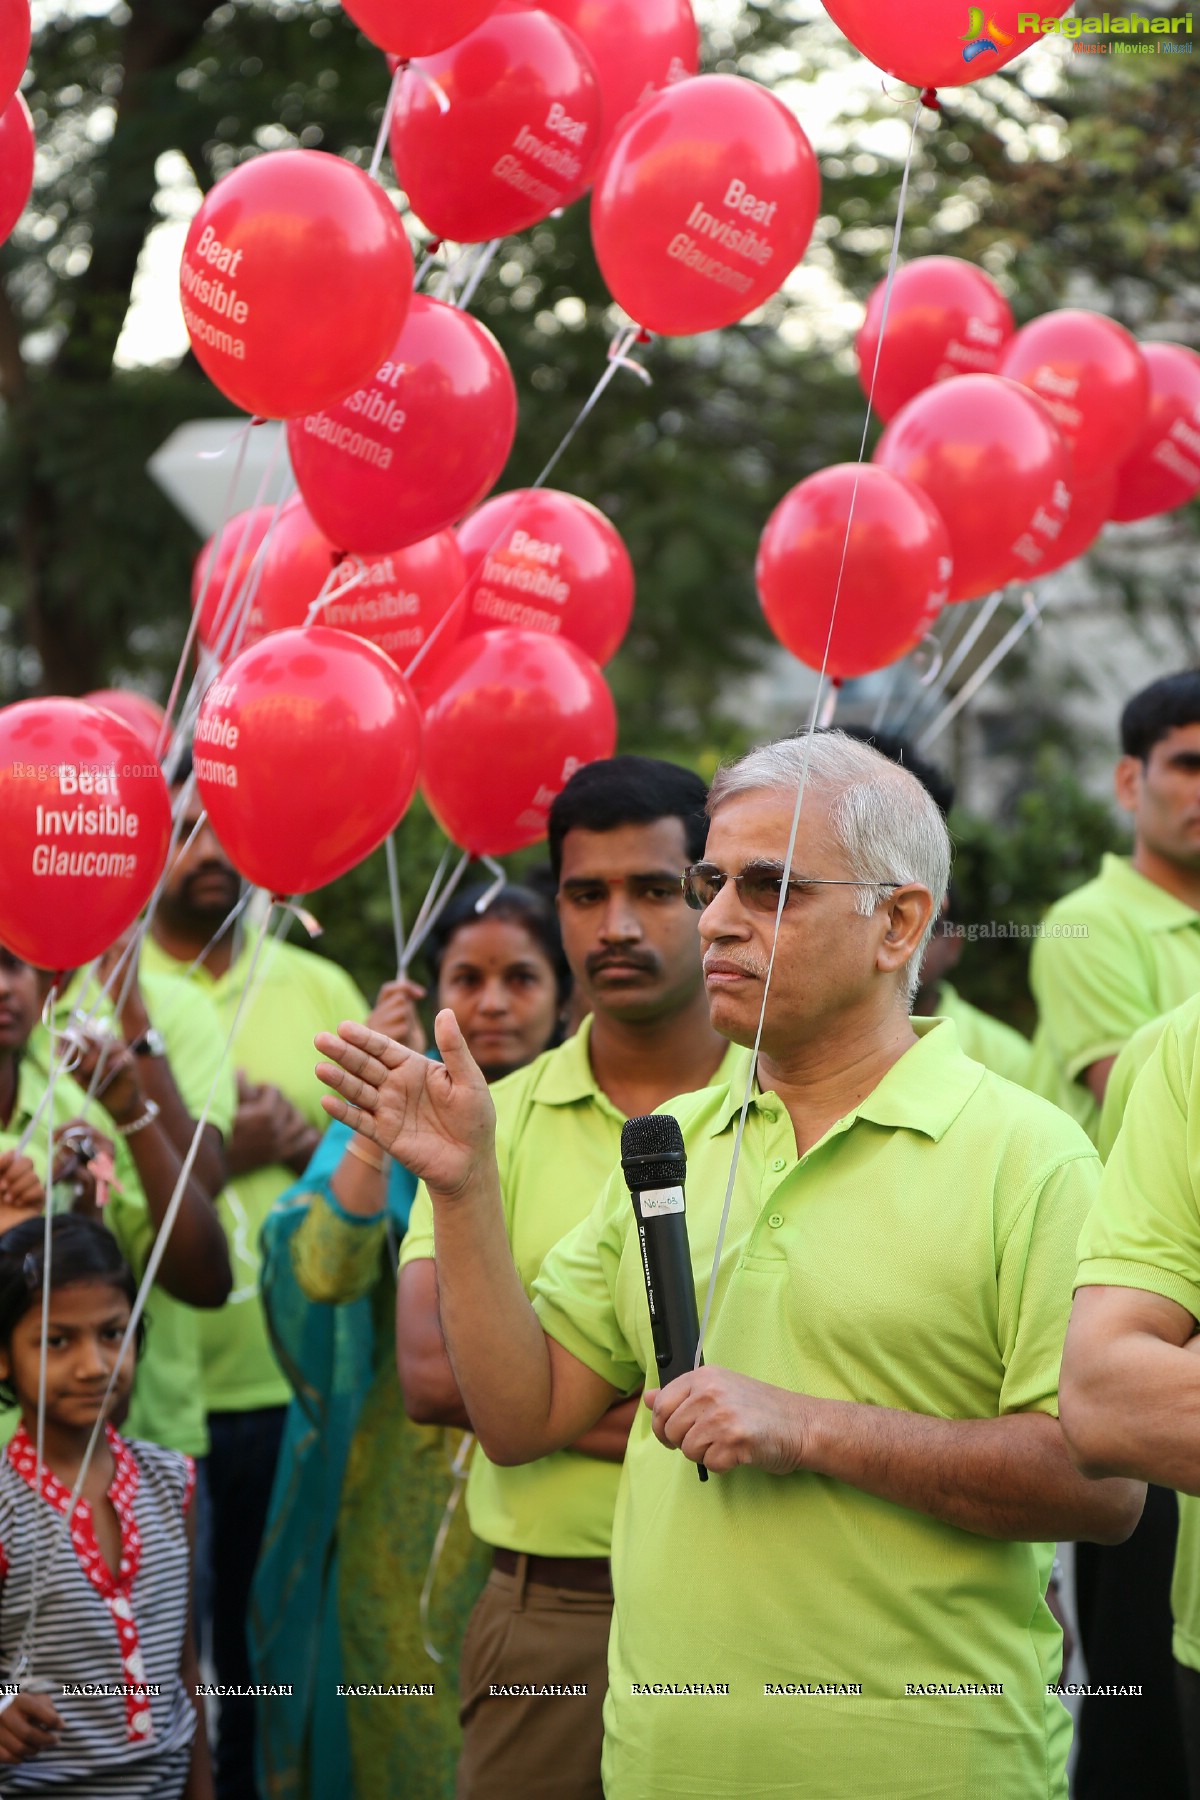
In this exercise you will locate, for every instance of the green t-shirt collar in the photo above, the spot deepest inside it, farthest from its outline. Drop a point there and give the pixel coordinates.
(1157, 910)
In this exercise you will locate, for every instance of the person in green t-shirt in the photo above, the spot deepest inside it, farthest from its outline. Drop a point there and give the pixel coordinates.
(1131, 1367)
(855, 1602)
(621, 833)
(1118, 952)
(276, 1128)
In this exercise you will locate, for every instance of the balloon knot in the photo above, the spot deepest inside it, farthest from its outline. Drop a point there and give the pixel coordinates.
(258, 419)
(644, 336)
(930, 99)
(837, 681)
(433, 246)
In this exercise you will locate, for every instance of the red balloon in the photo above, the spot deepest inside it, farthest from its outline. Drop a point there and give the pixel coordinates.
(895, 578)
(520, 137)
(990, 458)
(1092, 376)
(86, 820)
(417, 446)
(927, 44)
(517, 714)
(15, 29)
(704, 204)
(637, 47)
(1069, 526)
(945, 317)
(217, 595)
(16, 163)
(1162, 470)
(139, 712)
(306, 754)
(296, 278)
(408, 28)
(545, 561)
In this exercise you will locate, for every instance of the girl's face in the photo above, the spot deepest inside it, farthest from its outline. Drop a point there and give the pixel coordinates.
(87, 1322)
(501, 988)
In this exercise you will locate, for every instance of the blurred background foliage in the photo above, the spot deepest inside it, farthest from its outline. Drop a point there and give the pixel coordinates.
(1078, 180)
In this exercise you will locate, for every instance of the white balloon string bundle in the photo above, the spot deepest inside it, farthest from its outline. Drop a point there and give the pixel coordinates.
(26, 1655)
(823, 710)
(397, 905)
(459, 1470)
(1031, 613)
(926, 702)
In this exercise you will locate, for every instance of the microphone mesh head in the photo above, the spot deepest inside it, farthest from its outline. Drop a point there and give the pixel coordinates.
(652, 1153)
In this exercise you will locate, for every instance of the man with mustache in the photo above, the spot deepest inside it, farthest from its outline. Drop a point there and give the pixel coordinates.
(854, 1603)
(276, 1128)
(534, 1666)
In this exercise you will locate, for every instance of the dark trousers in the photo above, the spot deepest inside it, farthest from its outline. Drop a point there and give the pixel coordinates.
(241, 1468)
(1187, 1687)
(1129, 1745)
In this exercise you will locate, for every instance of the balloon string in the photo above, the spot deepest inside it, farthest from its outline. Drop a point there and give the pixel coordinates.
(393, 875)
(433, 889)
(459, 1470)
(421, 932)
(47, 1243)
(927, 700)
(385, 124)
(332, 589)
(501, 877)
(1030, 615)
(822, 713)
(618, 358)
(157, 1252)
(483, 263)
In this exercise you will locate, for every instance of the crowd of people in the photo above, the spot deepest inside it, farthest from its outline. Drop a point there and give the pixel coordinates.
(388, 1506)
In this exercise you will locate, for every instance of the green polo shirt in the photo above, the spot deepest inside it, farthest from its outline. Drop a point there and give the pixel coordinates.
(1136, 955)
(919, 1257)
(558, 1140)
(1145, 1233)
(1124, 1073)
(168, 1397)
(990, 1041)
(295, 995)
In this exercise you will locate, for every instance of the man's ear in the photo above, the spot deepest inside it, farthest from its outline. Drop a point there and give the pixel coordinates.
(1127, 782)
(909, 911)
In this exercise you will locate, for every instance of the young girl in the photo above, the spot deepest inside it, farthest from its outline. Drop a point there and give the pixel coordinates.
(108, 1704)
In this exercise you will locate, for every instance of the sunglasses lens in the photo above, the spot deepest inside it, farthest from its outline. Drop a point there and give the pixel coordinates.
(761, 891)
(699, 889)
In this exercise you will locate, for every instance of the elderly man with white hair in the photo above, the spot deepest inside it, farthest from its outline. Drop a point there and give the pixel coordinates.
(855, 1605)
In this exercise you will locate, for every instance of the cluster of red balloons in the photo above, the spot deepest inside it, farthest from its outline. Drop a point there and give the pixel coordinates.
(16, 126)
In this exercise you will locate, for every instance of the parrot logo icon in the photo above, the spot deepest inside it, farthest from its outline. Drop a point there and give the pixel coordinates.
(981, 41)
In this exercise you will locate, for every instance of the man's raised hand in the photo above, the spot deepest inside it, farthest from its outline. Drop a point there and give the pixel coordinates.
(436, 1119)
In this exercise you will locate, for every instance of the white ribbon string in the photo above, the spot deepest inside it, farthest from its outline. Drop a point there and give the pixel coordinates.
(822, 713)
(459, 1470)
(422, 930)
(385, 124)
(927, 700)
(393, 875)
(1030, 615)
(47, 1236)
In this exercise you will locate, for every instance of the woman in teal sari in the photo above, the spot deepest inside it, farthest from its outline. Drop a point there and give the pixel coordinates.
(349, 1591)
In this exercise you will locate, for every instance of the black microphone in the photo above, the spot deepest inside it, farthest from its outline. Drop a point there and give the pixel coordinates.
(654, 1163)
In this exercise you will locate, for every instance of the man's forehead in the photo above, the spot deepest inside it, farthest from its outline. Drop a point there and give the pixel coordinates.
(1180, 740)
(756, 826)
(658, 844)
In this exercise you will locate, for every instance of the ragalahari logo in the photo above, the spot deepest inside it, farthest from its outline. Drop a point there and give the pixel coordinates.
(981, 41)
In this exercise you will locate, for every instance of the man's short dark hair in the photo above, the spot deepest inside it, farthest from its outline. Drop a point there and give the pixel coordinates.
(629, 790)
(935, 781)
(1165, 704)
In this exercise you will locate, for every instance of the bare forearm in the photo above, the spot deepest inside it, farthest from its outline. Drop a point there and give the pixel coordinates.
(1008, 1478)
(496, 1346)
(158, 1084)
(608, 1438)
(1132, 1408)
(358, 1186)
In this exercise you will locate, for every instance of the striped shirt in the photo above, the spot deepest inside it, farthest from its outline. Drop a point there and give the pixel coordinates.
(107, 1647)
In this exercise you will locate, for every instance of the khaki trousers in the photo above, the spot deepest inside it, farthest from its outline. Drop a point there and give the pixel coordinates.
(537, 1747)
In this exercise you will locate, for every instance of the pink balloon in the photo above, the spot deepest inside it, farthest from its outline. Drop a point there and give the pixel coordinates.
(417, 446)
(990, 458)
(545, 561)
(296, 278)
(521, 135)
(1092, 376)
(16, 163)
(637, 47)
(1162, 470)
(945, 317)
(408, 28)
(15, 31)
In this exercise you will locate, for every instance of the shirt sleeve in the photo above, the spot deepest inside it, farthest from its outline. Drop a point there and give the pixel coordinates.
(1034, 1278)
(1145, 1231)
(195, 1040)
(574, 1295)
(1092, 994)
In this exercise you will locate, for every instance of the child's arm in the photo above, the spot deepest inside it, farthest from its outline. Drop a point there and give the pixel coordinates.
(28, 1723)
(199, 1785)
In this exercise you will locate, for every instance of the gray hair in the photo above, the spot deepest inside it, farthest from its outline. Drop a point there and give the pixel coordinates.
(884, 820)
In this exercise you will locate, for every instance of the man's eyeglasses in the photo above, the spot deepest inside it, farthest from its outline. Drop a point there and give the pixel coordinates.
(758, 885)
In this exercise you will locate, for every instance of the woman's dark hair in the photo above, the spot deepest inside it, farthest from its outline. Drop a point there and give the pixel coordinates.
(80, 1250)
(520, 906)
